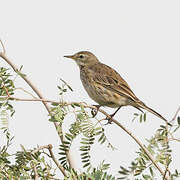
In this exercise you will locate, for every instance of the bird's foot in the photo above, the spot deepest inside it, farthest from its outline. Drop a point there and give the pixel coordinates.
(111, 116)
(109, 119)
(95, 111)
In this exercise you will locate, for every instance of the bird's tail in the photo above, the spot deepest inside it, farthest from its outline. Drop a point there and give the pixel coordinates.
(142, 105)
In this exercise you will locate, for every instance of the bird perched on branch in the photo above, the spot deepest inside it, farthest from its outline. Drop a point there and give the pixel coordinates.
(105, 86)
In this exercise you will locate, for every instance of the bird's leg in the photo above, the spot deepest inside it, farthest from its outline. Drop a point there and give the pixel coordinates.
(112, 115)
(95, 111)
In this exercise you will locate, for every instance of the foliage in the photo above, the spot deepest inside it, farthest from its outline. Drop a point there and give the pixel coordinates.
(159, 148)
(96, 174)
(25, 163)
(31, 163)
(6, 88)
(83, 125)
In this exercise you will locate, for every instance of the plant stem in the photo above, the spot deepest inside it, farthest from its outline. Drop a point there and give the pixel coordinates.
(57, 125)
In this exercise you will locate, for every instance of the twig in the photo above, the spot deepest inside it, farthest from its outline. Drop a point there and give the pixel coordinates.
(167, 145)
(4, 87)
(165, 173)
(49, 147)
(131, 135)
(26, 92)
(57, 125)
(174, 118)
(26, 99)
(36, 176)
(172, 121)
(109, 143)
(137, 141)
(40, 148)
(93, 107)
(113, 120)
(5, 172)
(4, 50)
(173, 138)
(54, 159)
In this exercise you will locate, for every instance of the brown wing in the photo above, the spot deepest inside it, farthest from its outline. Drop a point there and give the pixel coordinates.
(110, 79)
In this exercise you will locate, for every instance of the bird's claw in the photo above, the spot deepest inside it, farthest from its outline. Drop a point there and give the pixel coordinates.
(95, 111)
(109, 119)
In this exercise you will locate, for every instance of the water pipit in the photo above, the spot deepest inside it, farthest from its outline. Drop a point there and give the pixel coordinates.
(105, 86)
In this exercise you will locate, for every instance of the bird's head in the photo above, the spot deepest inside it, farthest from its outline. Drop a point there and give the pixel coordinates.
(83, 58)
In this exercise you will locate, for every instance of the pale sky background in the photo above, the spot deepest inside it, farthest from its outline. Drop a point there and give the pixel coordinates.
(140, 39)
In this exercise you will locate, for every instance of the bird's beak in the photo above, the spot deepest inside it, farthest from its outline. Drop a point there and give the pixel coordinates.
(71, 57)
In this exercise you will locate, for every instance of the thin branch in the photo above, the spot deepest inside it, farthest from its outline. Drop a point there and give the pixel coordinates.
(167, 145)
(113, 120)
(174, 118)
(40, 148)
(131, 135)
(173, 138)
(2, 54)
(4, 87)
(54, 159)
(26, 99)
(57, 125)
(36, 176)
(109, 143)
(49, 148)
(26, 92)
(5, 172)
(167, 170)
(4, 50)
(137, 141)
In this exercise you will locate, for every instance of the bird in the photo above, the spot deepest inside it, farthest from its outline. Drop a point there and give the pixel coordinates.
(105, 85)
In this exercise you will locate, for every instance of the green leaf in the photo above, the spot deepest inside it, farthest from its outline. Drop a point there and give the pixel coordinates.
(85, 157)
(84, 153)
(66, 84)
(104, 139)
(66, 142)
(64, 146)
(178, 120)
(147, 177)
(76, 104)
(62, 158)
(52, 119)
(102, 136)
(151, 171)
(176, 129)
(20, 74)
(141, 117)
(70, 136)
(54, 104)
(144, 117)
(64, 162)
(87, 164)
(98, 133)
(84, 147)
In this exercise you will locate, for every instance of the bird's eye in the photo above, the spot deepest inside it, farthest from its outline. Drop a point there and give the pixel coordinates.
(81, 56)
